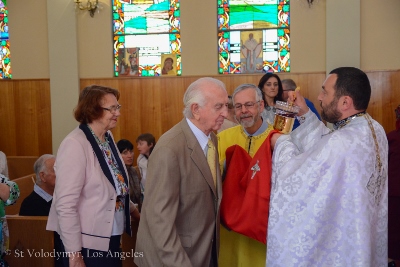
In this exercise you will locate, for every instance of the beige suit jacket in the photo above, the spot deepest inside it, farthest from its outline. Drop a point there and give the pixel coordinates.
(179, 224)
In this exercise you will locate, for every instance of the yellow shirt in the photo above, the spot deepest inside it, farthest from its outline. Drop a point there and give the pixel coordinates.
(237, 136)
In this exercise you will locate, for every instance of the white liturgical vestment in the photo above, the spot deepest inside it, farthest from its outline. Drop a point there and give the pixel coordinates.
(329, 201)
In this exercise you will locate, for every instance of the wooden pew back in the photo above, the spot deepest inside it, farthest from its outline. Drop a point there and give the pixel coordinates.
(30, 242)
(19, 166)
(29, 238)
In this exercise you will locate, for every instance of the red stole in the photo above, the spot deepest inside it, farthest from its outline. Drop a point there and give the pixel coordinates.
(246, 191)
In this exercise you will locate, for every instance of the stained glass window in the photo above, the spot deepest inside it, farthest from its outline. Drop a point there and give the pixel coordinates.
(5, 67)
(146, 37)
(253, 36)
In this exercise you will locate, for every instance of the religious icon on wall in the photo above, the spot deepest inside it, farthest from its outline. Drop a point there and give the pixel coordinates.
(251, 46)
(128, 61)
(168, 64)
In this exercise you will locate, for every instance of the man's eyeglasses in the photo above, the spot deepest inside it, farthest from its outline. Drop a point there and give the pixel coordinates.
(247, 105)
(113, 109)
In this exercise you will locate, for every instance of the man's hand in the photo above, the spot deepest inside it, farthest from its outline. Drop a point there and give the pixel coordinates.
(297, 99)
(134, 211)
(76, 260)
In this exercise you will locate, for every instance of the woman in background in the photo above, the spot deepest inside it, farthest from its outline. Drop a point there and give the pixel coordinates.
(272, 91)
(91, 207)
(125, 147)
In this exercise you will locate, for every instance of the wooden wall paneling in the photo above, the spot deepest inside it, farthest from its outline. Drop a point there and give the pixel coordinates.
(150, 100)
(26, 117)
(33, 117)
(172, 103)
(7, 121)
(385, 97)
(152, 105)
(233, 81)
(43, 125)
(378, 83)
(131, 118)
(131, 112)
(392, 100)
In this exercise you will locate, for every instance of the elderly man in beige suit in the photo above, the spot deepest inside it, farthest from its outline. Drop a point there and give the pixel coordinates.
(179, 223)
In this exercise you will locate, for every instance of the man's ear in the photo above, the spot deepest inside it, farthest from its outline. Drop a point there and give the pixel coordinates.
(41, 174)
(345, 103)
(195, 108)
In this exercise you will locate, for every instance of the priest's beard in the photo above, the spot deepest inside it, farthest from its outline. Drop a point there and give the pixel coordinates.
(330, 113)
(248, 123)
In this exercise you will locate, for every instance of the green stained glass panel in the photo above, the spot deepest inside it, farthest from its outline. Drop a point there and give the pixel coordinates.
(253, 36)
(153, 27)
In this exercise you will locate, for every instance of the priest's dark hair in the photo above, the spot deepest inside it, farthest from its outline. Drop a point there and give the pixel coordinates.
(354, 83)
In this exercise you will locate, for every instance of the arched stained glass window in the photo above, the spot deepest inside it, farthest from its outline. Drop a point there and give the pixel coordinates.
(5, 67)
(253, 36)
(146, 37)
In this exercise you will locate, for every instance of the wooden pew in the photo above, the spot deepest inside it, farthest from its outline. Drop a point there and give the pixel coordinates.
(19, 166)
(25, 185)
(30, 239)
(30, 243)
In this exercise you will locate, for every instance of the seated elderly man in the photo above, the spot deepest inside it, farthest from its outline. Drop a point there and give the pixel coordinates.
(38, 203)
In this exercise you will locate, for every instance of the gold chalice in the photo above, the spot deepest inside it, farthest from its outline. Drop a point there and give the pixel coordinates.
(285, 114)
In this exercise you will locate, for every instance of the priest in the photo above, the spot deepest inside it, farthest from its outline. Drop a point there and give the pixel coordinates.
(329, 195)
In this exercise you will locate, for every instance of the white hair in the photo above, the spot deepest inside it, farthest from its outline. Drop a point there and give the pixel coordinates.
(40, 166)
(195, 94)
(246, 86)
